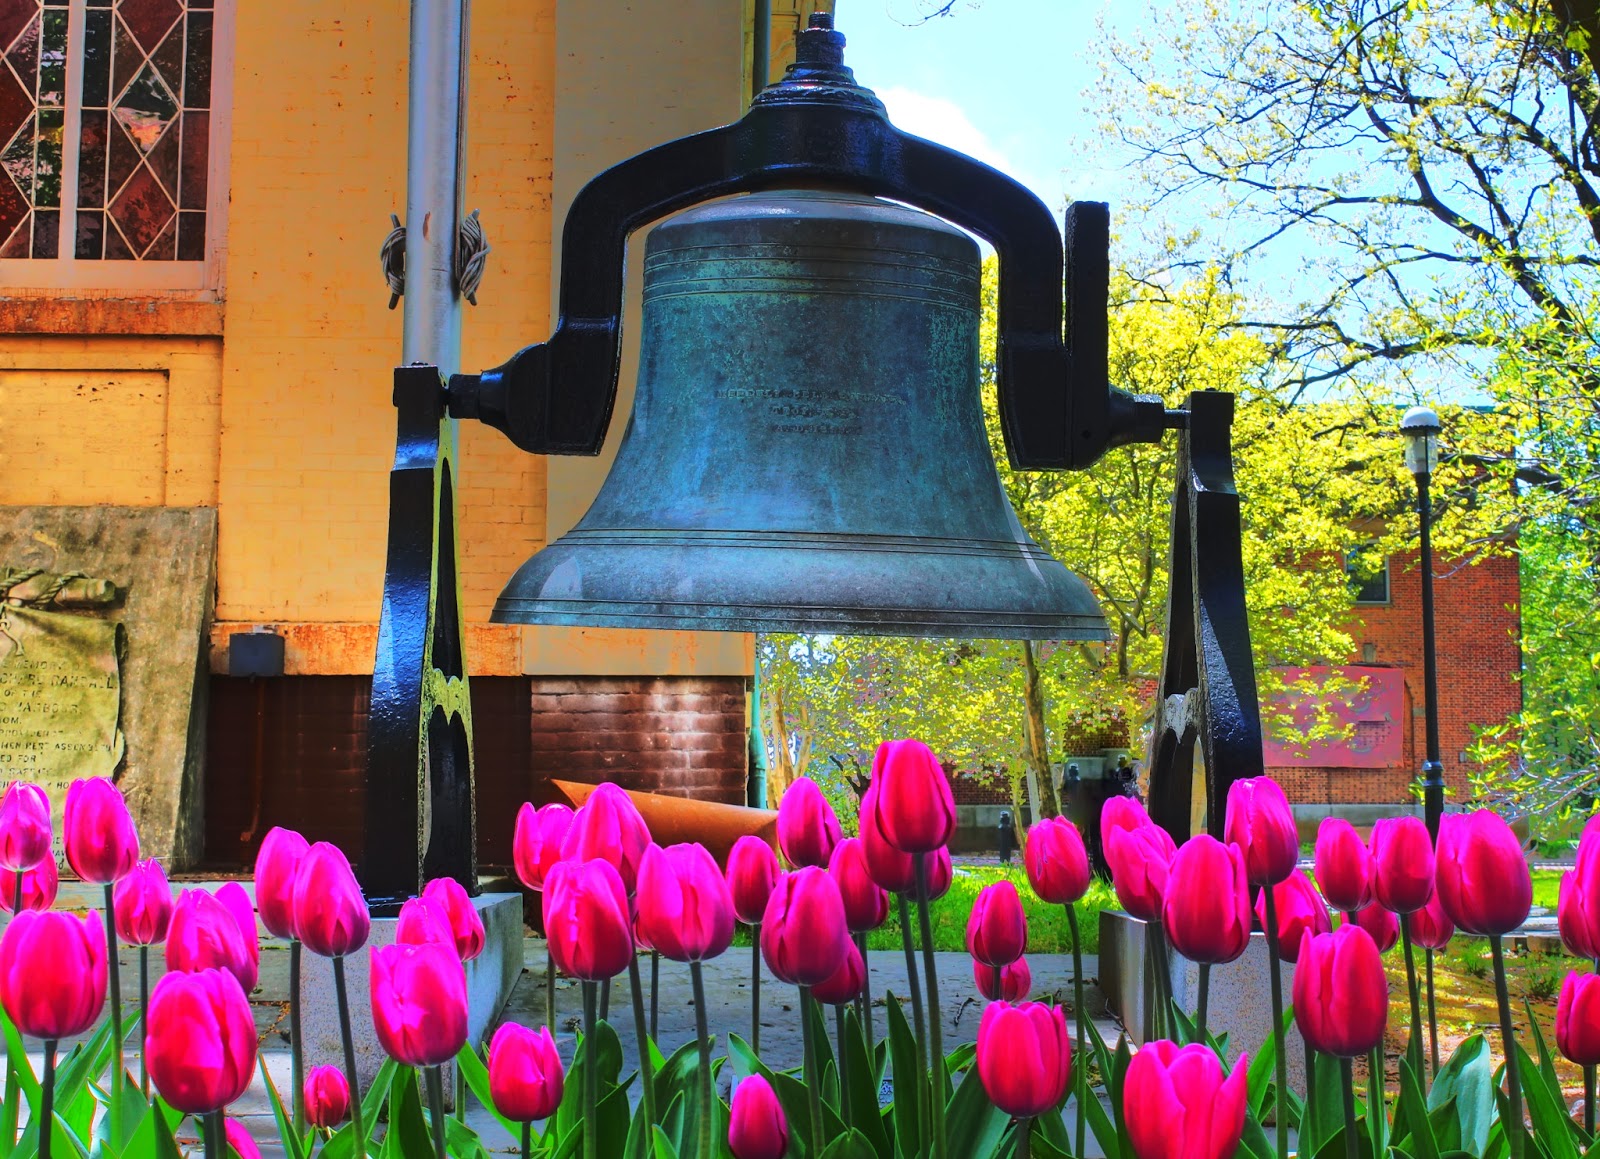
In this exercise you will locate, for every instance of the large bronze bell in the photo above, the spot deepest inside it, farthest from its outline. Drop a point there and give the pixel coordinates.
(806, 450)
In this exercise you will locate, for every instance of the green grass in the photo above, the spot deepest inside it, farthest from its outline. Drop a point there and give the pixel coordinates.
(1546, 887)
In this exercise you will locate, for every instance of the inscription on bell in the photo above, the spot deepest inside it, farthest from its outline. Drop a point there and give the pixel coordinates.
(810, 411)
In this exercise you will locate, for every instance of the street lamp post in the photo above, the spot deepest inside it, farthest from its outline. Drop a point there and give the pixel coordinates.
(1420, 426)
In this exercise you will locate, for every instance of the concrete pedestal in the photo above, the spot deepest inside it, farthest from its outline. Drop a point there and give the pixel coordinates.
(490, 979)
(1240, 1000)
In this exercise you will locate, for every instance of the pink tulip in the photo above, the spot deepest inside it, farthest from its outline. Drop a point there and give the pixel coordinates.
(803, 934)
(846, 983)
(753, 871)
(142, 905)
(24, 827)
(330, 913)
(525, 1075)
(1261, 823)
(1430, 928)
(1016, 981)
(940, 872)
(610, 829)
(421, 923)
(685, 910)
(1056, 861)
(39, 886)
(1205, 908)
(419, 1003)
(997, 929)
(327, 1095)
(1300, 909)
(277, 865)
(53, 973)
(1122, 813)
(200, 1044)
(536, 841)
(102, 844)
(205, 934)
(1483, 879)
(1381, 925)
(807, 827)
(1140, 860)
(894, 871)
(757, 1128)
(1341, 994)
(449, 897)
(1344, 865)
(866, 905)
(1181, 1106)
(586, 920)
(1402, 864)
(239, 1138)
(1572, 918)
(916, 810)
(1578, 1019)
(1024, 1057)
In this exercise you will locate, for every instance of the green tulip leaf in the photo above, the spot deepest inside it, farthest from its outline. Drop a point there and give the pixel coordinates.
(17, 1063)
(663, 1146)
(1555, 1129)
(1547, 1064)
(408, 1136)
(1100, 1126)
(1253, 1141)
(910, 1084)
(1418, 1129)
(287, 1135)
(974, 1125)
(854, 1145)
(1041, 1145)
(152, 1139)
(1324, 1116)
(961, 1058)
(1468, 1079)
(861, 1097)
(477, 1076)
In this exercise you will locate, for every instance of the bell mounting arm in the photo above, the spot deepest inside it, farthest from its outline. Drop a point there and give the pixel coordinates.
(817, 128)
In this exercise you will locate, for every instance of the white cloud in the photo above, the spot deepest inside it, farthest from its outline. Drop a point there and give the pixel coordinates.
(941, 119)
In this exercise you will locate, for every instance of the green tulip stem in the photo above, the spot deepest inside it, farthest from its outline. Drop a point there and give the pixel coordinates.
(1204, 999)
(435, 1080)
(1433, 1013)
(655, 992)
(844, 1064)
(935, 1029)
(755, 988)
(114, 989)
(591, 1074)
(647, 1070)
(16, 901)
(342, 996)
(999, 981)
(1588, 1099)
(866, 992)
(297, 1049)
(47, 1098)
(216, 1136)
(144, 1016)
(1347, 1081)
(1281, 1111)
(461, 1096)
(1024, 1147)
(1508, 1042)
(1079, 1017)
(527, 1141)
(810, 1070)
(1414, 1046)
(605, 1000)
(1377, 1102)
(912, 984)
(549, 992)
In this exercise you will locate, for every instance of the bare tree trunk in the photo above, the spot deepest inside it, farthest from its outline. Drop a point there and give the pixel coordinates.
(1038, 749)
(1018, 781)
(781, 773)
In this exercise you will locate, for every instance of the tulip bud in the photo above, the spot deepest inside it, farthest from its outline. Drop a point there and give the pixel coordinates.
(803, 935)
(846, 983)
(142, 905)
(1056, 861)
(1340, 992)
(1344, 865)
(1140, 861)
(1483, 879)
(586, 920)
(1430, 928)
(419, 1003)
(1024, 1057)
(24, 827)
(757, 1128)
(327, 1094)
(807, 827)
(102, 844)
(1016, 981)
(1300, 909)
(916, 810)
(685, 910)
(1381, 925)
(1205, 907)
(608, 828)
(277, 866)
(1261, 823)
(525, 1075)
(1122, 813)
(536, 841)
(866, 905)
(205, 934)
(53, 973)
(39, 886)
(200, 1040)
(1572, 918)
(940, 871)
(449, 897)
(894, 871)
(753, 871)
(330, 913)
(421, 923)
(997, 929)
(1578, 1019)
(1402, 864)
(1185, 1105)
(239, 1138)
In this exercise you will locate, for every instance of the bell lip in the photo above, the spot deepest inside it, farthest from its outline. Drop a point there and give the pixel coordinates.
(913, 622)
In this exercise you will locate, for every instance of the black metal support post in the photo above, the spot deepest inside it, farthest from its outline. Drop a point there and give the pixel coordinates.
(1433, 767)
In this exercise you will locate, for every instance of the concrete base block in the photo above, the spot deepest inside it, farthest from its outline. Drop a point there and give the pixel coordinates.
(490, 979)
(1240, 1000)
